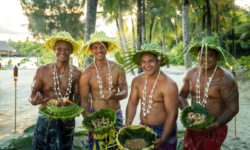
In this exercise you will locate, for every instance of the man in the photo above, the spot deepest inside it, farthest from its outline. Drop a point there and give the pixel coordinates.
(158, 95)
(218, 95)
(103, 80)
(55, 82)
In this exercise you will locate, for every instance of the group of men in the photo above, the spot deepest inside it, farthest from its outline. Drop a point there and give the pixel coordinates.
(103, 84)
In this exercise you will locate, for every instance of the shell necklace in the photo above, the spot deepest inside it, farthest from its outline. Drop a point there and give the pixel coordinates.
(57, 88)
(100, 81)
(203, 101)
(146, 109)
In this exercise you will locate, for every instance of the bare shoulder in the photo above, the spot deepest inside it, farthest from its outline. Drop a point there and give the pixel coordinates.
(226, 74)
(115, 66)
(137, 80)
(47, 66)
(225, 78)
(190, 72)
(44, 69)
(88, 70)
(167, 82)
(77, 71)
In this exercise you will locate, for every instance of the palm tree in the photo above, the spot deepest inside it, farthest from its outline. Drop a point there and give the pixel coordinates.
(185, 33)
(90, 21)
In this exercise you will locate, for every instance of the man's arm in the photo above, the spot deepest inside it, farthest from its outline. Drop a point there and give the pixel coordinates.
(122, 85)
(77, 98)
(184, 91)
(171, 104)
(84, 93)
(132, 104)
(36, 96)
(230, 95)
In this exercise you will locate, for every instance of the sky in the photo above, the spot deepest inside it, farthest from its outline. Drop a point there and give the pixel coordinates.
(14, 24)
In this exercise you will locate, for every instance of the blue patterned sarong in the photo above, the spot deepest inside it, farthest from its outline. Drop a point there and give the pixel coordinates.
(53, 134)
(171, 140)
(95, 144)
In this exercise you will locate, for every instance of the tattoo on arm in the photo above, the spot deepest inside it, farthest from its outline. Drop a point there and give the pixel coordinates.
(230, 95)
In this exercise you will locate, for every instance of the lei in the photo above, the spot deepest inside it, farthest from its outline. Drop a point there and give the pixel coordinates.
(203, 101)
(100, 81)
(146, 109)
(57, 88)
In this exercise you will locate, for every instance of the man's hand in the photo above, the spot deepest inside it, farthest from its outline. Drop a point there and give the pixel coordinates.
(38, 99)
(53, 102)
(212, 126)
(110, 96)
(158, 143)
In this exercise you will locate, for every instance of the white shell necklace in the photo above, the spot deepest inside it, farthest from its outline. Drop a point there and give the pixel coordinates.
(146, 109)
(57, 83)
(203, 101)
(100, 81)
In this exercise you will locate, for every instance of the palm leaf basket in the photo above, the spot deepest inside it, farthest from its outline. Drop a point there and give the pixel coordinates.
(103, 113)
(196, 108)
(63, 113)
(135, 132)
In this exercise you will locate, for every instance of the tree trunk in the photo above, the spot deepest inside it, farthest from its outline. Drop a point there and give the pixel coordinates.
(209, 28)
(139, 24)
(163, 40)
(139, 27)
(90, 23)
(151, 28)
(121, 29)
(217, 16)
(117, 25)
(143, 22)
(203, 24)
(176, 32)
(90, 18)
(185, 33)
(133, 33)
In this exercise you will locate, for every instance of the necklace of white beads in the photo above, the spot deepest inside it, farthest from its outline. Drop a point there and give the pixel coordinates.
(146, 107)
(57, 88)
(100, 81)
(203, 101)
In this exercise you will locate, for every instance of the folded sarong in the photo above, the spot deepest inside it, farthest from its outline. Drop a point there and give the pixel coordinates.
(53, 134)
(107, 140)
(205, 140)
(171, 141)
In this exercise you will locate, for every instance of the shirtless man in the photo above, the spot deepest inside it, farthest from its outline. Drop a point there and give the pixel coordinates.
(103, 80)
(158, 94)
(55, 133)
(222, 99)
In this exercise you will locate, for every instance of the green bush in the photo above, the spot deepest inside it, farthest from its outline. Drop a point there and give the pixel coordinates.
(244, 61)
(176, 55)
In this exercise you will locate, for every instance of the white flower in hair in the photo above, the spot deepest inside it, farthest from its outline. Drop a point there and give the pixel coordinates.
(159, 57)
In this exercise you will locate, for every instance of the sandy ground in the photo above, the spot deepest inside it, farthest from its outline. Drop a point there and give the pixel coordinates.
(238, 137)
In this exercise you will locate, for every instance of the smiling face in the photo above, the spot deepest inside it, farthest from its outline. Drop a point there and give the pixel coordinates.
(210, 61)
(99, 50)
(149, 63)
(63, 49)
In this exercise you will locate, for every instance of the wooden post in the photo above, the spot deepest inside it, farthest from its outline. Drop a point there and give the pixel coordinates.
(15, 82)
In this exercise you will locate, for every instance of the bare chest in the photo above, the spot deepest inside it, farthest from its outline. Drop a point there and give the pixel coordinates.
(103, 80)
(148, 91)
(214, 89)
(50, 81)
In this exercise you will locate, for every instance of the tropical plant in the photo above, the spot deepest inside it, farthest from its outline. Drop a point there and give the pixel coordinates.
(47, 17)
(27, 47)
